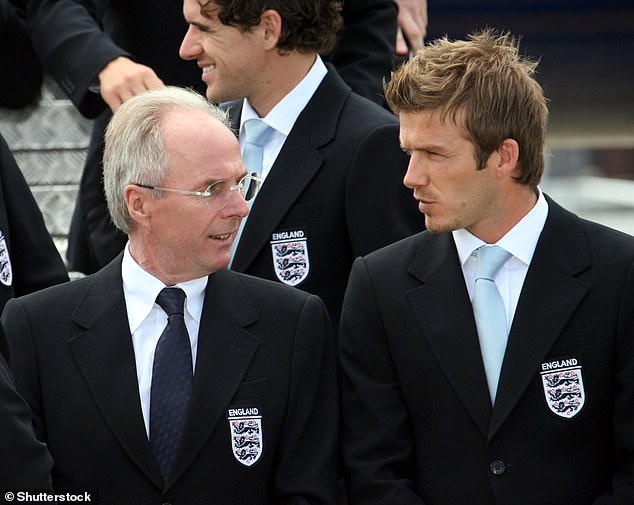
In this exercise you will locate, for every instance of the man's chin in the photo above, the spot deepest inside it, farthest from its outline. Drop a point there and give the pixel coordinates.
(434, 226)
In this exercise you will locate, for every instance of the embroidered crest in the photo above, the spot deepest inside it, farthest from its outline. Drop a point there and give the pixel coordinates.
(563, 387)
(247, 438)
(6, 272)
(290, 256)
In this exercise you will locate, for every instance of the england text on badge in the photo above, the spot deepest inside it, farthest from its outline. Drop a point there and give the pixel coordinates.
(247, 438)
(563, 386)
(290, 256)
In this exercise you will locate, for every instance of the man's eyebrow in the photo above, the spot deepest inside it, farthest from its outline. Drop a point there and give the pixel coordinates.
(197, 24)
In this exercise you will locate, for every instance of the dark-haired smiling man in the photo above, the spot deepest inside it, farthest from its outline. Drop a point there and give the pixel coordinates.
(330, 159)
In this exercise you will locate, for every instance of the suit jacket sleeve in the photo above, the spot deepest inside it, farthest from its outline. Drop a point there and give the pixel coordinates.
(25, 462)
(376, 434)
(364, 54)
(68, 38)
(35, 261)
(306, 470)
(23, 362)
(622, 486)
(379, 208)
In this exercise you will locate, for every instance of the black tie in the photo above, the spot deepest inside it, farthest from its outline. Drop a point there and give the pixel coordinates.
(171, 381)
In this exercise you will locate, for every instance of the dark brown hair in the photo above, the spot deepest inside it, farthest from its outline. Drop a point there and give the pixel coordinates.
(307, 25)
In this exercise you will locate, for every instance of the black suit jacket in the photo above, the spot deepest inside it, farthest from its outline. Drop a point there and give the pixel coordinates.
(21, 76)
(75, 39)
(365, 53)
(338, 180)
(260, 345)
(25, 462)
(418, 426)
(29, 259)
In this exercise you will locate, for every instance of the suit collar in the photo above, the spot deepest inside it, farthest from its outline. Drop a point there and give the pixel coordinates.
(550, 295)
(296, 165)
(453, 340)
(105, 356)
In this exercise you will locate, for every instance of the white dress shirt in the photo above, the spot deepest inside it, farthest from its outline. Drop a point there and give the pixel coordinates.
(147, 320)
(520, 241)
(283, 116)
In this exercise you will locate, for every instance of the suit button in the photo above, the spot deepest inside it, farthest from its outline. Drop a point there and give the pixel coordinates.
(497, 467)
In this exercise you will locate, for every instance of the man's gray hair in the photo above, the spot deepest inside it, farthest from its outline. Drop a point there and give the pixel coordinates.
(134, 150)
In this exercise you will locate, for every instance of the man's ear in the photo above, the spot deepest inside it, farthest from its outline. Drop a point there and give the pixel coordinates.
(271, 23)
(136, 200)
(508, 155)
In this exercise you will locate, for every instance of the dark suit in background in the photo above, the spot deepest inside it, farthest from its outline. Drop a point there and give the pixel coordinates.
(75, 40)
(365, 52)
(25, 463)
(29, 260)
(21, 76)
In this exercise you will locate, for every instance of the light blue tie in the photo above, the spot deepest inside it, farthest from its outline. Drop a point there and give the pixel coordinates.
(256, 133)
(489, 312)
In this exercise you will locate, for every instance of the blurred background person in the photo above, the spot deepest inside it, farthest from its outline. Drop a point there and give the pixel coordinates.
(29, 260)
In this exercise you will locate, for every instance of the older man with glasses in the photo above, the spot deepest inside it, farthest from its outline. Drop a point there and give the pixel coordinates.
(165, 377)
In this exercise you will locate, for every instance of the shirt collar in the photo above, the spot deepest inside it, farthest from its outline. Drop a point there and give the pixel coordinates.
(283, 116)
(141, 289)
(520, 240)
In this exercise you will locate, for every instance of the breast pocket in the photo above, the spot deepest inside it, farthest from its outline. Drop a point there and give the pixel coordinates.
(252, 390)
(572, 341)
(302, 212)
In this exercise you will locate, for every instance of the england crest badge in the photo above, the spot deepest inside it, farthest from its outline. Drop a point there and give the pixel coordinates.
(6, 272)
(563, 387)
(247, 438)
(290, 256)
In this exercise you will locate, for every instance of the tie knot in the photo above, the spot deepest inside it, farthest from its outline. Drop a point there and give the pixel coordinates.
(256, 131)
(171, 300)
(489, 260)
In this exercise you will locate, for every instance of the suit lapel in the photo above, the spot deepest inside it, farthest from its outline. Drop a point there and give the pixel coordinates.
(225, 351)
(549, 297)
(443, 310)
(105, 357)
(296, 165)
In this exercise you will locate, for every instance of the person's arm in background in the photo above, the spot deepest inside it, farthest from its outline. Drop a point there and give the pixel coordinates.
(89, 66)
(365, 50)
